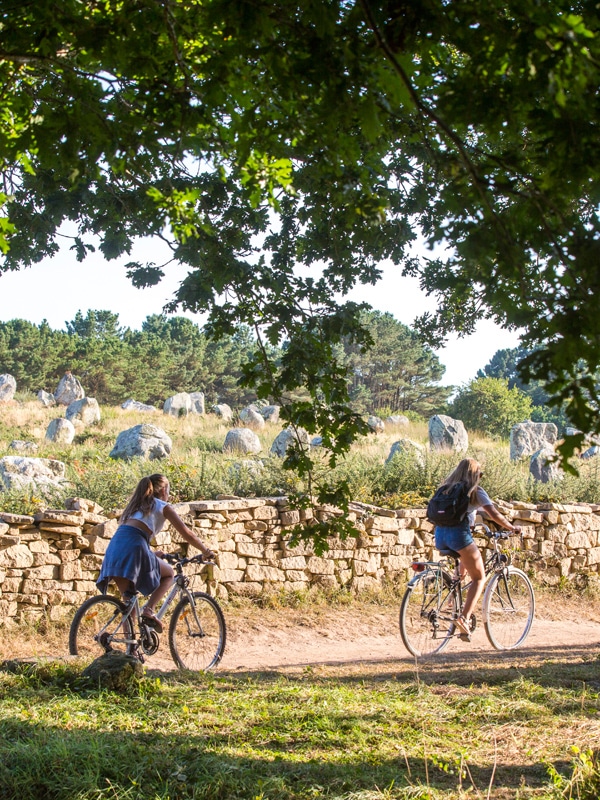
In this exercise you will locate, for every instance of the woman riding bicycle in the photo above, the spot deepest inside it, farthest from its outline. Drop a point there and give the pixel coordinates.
(129, 561)
(460, 538)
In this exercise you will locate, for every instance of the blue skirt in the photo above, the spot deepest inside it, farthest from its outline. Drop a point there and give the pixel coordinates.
(129, 556)
(453, 538)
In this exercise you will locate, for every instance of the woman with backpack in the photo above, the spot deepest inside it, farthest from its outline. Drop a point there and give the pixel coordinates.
(463, 485)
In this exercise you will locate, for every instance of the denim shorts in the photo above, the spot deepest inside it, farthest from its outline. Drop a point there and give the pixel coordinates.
(454, 538)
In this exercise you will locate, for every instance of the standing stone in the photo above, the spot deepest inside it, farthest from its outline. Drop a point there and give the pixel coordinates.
(446, 433)
(224, 411)
(143, 441)
(23, 447)
(61, 431)
(542, 468)
(591, 452)
(46, 399)
(284, 439)
(85, 411)
(270, 413)
(242, 440)
(134, 405)
(398, 420)
(197, 399)
(528, 437)
(375, 424)
(69, 389)
(19, 472)
(8, 387)
(407, 446)
(252, 418)
(179, 405)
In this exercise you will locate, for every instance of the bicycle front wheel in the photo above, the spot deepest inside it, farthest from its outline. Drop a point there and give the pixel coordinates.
(197, 633)
(508, 609)
(427, 614)
(99, 627)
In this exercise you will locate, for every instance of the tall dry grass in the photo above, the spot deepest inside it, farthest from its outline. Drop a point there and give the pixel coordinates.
(198, 468)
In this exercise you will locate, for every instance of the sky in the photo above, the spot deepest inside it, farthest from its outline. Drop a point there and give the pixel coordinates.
(57, 288)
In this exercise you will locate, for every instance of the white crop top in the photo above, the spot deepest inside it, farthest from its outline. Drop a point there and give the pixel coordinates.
(154, 519)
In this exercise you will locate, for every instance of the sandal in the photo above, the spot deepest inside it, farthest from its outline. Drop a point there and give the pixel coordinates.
(463, 626)
(150, 618)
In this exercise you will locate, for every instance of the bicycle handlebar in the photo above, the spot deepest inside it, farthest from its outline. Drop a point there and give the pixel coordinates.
(176, 558)
(496, 534)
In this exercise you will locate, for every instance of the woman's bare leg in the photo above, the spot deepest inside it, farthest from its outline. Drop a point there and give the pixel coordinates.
(166, 581)
(473, 562)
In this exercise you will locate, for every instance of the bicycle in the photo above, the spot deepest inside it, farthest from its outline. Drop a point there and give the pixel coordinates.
(196, 634)
(434, 599)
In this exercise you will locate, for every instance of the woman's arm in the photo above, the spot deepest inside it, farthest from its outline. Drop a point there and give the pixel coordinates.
(492, 512)
(173, 517)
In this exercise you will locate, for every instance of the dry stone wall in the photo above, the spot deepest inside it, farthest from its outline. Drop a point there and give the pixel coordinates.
(49, 562)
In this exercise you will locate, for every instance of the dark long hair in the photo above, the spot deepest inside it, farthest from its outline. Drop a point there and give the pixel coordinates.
(143, 497)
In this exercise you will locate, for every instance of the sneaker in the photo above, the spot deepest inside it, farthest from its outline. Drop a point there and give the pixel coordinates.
(150, 619)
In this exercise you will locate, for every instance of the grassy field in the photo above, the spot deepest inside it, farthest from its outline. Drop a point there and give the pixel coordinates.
(516, 725)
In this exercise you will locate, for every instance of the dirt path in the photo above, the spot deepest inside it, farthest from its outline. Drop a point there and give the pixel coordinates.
(349, 638)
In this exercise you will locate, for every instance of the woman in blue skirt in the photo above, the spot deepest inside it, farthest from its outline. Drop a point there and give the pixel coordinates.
(460, 538)
(129, 561)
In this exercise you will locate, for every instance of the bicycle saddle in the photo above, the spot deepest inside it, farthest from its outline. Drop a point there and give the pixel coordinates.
(448, 552)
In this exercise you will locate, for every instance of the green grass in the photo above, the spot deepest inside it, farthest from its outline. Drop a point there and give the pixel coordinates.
(447, 732)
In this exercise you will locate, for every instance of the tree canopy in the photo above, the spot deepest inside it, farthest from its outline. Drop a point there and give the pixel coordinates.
(285, 148)
(491, 406)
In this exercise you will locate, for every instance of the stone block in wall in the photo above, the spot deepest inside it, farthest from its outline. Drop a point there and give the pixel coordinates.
(265, 512)
(8, 608)
(39, 546)
(68, 555)
(575, 540)
(59, 517)
(70, 571)
(250, 549)
(527, 515)
(4, 528)
(326, 581)
(360, 583)
(256, 525)
(551, 517)
(593, 556)
(29, 599)
(260, 573)
(553, 533)
(396, 563)
(240, 516)
(91, 561)
(246, 588)
(345, 576)
(97, 544)
(19, 520)
(365, 567)
(9, 541)
(320, 566)
(293, 562)
(227, 560)
(18, 556)
(289, 518)
(228, 575)
(406, 537)
(89, 587)
(296, 576)
(12, 585)
(46, 572)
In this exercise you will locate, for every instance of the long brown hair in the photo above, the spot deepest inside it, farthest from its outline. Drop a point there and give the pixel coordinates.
(468, 471)
(143, 497)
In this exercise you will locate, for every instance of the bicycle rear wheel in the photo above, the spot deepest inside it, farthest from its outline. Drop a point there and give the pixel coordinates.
(427, 614)
(197, 633)
(508, 608)
(99, 627)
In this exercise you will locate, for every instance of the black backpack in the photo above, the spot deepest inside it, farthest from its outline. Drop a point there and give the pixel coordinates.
(448, 506)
